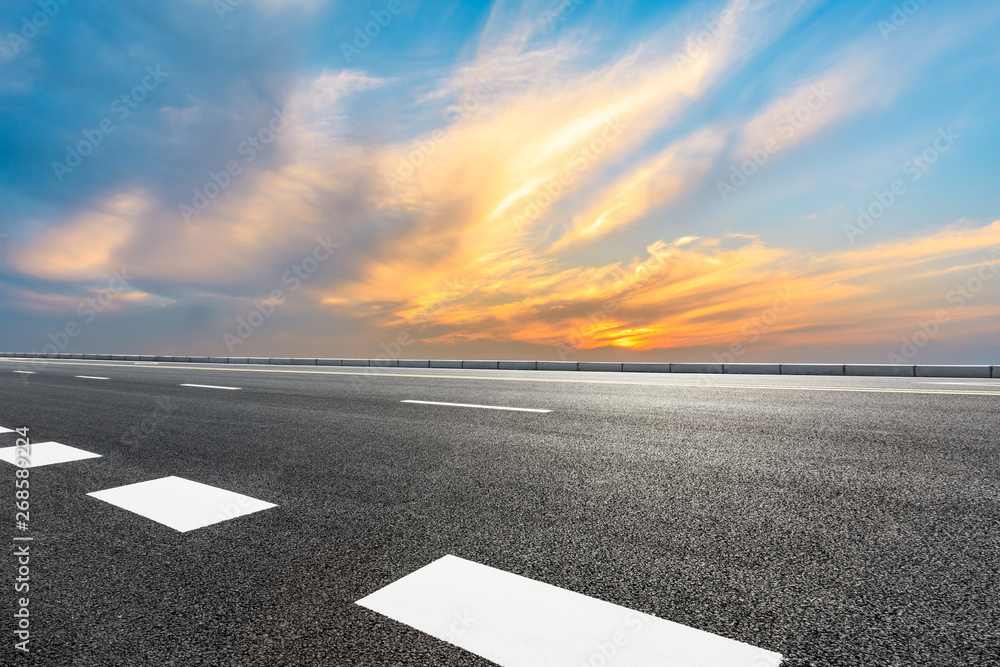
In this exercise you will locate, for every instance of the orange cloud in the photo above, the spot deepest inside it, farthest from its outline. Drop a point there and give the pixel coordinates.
(695, 292)
(84, 248)
(490, 187)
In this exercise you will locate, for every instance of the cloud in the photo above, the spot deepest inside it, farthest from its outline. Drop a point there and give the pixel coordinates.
(478, 197)
(661, 179)
(316, 103)
(854, 85)
(528, 131)
(87, 246)
(514, 121)
(261, 217)
(696, 292)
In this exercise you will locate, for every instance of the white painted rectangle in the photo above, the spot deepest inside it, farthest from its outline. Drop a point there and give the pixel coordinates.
(180, 503)
(472, 405)
(519, 622)
(44, 454)
(92, 377)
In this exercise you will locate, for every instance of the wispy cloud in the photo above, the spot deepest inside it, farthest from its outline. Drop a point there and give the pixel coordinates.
(659, 180)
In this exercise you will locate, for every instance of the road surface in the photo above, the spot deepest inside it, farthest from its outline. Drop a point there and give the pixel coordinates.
(837, 521)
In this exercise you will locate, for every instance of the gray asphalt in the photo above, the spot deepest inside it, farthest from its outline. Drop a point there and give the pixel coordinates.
(839, 521)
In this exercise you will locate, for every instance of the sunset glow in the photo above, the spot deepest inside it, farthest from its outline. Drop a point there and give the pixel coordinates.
(676, 181)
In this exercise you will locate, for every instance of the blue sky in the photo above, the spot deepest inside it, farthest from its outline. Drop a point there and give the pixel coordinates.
(502, 180)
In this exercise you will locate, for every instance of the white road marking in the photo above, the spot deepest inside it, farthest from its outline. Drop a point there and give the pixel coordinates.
(44, 454)
(146, 363)
(25, 372)
(92, 377)
(6, 430)
(996, 383)
(180, 503)
(208, 386)
(518, 622)
(471, 405)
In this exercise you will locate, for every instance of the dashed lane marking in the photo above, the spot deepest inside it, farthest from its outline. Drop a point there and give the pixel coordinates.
(472, 405)
(995, 383)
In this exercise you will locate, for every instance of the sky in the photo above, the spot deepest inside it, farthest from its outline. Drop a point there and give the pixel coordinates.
(752, 180)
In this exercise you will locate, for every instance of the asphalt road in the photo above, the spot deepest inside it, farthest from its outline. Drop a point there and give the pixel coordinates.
(838, 521)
